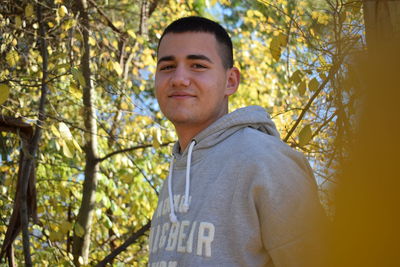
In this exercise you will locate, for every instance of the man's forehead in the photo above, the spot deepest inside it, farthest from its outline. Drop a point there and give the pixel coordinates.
(189, 42)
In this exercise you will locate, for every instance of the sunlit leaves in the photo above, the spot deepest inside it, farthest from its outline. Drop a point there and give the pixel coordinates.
(18, 22)
(4, 93)
(321, 17)
(305, 135)
(78, 76)
(79, 230)
(296, 77)
(117, 68)
(156, 137)
(277, 44)
(302, 88)
(313, 85)
(62, 11)
(64, 131)
(29, 10)
(12, 58)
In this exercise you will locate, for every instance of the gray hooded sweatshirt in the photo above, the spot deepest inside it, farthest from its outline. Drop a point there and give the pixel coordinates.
(250, 200)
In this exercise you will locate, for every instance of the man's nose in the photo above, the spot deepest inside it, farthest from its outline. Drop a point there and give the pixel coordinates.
(180, 77)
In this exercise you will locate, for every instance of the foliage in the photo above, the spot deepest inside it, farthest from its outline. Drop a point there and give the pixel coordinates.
(293, 55)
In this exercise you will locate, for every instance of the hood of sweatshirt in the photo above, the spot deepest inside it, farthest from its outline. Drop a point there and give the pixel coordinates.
(253, 116)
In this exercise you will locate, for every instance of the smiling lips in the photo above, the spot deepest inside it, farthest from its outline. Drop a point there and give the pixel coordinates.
(181, 95)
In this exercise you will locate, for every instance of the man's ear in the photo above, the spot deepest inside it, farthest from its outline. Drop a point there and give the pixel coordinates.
(232, 82)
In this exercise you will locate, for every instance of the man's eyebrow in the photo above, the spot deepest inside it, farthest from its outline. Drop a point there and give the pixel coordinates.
(166, 58)
(192, 57)
(201, 57)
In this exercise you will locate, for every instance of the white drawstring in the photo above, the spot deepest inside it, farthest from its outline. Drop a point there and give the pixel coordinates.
(187, 186)
(172, 215)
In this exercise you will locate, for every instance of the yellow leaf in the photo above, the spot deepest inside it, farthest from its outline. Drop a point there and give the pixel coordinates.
(156, 132)
(4, 93)
(12, 58)
(305, 135)
(296, 77)
(283, 39)
(64, 131)
(124, 106)
(132, 34)
(65, 227)
(313, 85)
(76, 145)
(55, 131)
(66, 150)
(302, 88)
(62, 11)
(55, 236)
(75, 92)
(78, 76)
(29, 10)
(79, 231)
(92, 41)
(117, 68)
(68, 24)
(18, 22)
(275, 48)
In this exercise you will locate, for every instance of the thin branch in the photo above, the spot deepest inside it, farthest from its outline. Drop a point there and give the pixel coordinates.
(130, 149)
(109, 22)
(332, 72)
(125, 245)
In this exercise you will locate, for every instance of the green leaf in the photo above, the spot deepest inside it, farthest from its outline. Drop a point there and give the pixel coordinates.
(4, 93)
(99, 196)
(65, 227)
(18, 22)
(302, 88)
(275, 48)
(29, 10)
(107, 222)
(283, 39)
(305, 135)
(12, 58)
(78, 76)
(79, 231)
(313, 85)
(296, 77)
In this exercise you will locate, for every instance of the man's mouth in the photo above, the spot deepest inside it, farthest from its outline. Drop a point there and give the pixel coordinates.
(181, 95)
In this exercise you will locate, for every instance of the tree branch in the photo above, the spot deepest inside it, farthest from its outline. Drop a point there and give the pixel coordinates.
(332, 72)
(125, 245)
(129, 149)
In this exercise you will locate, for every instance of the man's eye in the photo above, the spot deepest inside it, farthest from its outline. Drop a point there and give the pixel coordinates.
(198, 66)
(167, 67)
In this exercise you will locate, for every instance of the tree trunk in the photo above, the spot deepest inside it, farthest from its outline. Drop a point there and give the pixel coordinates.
(81, 243)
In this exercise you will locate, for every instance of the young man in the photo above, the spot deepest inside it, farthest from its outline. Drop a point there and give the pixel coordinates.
(236, 195)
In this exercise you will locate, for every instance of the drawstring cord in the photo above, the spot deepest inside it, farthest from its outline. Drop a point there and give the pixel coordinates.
(172, 215)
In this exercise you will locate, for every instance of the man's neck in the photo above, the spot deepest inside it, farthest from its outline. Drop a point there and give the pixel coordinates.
(185, 135)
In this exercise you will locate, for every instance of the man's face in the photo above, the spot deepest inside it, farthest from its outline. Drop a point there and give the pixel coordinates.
(192, 86)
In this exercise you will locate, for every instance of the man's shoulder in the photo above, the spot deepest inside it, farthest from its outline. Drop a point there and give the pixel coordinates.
(254, 141)
(252, 145)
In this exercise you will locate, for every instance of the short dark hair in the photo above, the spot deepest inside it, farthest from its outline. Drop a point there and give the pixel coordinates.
(200, 24)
